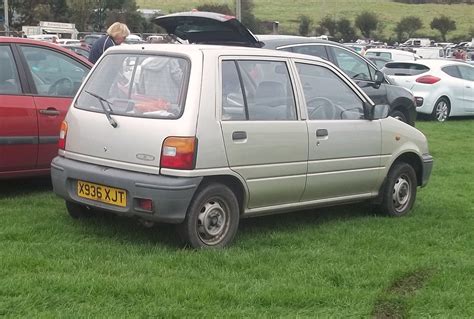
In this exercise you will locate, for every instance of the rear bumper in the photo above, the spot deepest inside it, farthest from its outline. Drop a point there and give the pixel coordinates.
(427, 167)
(170, 195)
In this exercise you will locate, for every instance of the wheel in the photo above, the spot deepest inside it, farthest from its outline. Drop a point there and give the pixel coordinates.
(212, 218)
(62, 87)
(399, 192)
(322, 108)
(399, 116)
(441, 110)
(77, 211)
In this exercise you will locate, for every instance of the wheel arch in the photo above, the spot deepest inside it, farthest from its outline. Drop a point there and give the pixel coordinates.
(233, 183)
(415, 161)
(410, 158)
(407, 107)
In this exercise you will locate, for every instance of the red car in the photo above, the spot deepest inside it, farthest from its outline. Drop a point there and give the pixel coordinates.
(37, 83)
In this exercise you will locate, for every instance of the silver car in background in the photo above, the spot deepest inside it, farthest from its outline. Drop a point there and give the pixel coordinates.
(203, 135)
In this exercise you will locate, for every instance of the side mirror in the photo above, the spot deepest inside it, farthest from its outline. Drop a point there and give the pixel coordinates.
(379, 78)
(381, 111)
(376, 112)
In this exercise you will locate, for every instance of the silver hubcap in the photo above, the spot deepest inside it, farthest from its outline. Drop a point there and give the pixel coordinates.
(212, 222)
(401, 194)
(442, 110)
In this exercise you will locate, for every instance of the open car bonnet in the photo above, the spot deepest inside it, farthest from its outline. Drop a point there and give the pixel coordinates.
(207, 28)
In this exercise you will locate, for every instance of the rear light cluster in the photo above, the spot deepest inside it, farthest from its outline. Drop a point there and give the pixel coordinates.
(178, 152)
(428, 79)
(62, 136)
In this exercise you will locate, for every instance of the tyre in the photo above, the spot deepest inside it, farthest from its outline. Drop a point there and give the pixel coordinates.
(399, 192)
(77, 211)
(399, 116)
(441, 110)
(212, 218)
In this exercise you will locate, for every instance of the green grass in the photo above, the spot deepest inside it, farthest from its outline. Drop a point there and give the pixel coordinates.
(287, 12)
(329, 263)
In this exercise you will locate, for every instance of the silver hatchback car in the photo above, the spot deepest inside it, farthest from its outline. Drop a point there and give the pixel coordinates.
(201, 136)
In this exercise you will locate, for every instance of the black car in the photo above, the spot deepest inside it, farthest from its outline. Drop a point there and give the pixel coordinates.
(215, 28)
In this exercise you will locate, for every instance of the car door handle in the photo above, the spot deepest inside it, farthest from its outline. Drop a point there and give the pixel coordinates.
(322, 132)
(50, 111)
(239, 135)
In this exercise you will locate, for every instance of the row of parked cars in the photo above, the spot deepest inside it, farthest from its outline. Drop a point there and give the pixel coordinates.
(203, 136)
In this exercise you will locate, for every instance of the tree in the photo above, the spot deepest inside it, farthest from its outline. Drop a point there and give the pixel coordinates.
(59, 10)
(443, 24)
(366, 22)
(248, 18)
(329, 24)
(407, 27)
(82, 13)
(305, 24)
(345, 30)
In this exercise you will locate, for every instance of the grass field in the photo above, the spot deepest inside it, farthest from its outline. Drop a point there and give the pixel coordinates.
(343, 262)
(287, 12)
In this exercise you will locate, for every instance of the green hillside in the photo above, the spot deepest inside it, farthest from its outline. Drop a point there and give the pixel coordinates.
(286, 12)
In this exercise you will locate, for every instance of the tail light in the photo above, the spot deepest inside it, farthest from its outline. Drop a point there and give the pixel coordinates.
(62, 136)
(178, 152)
(428, 79)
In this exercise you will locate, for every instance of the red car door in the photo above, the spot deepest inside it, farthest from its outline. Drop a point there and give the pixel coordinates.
(56, 77)
(18, 121)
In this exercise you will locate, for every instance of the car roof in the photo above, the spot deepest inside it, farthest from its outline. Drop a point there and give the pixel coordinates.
(192, 49)
(390, 50)
(44, 44)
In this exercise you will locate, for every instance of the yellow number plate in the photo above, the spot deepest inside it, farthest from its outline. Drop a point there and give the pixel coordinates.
(101, 193)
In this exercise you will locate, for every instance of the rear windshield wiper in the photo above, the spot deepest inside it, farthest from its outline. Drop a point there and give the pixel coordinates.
(106, 111)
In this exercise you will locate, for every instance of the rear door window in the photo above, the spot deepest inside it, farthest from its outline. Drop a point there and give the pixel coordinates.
(9, 81)
(137, 85)
(467, 72)
(452, 70)
(404, 68)
(352, 65)
(257, 91)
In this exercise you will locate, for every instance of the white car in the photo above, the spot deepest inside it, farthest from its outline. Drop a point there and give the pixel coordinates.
(442, 88)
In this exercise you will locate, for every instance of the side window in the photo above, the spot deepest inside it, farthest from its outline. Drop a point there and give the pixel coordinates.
(327, 96)
(9, 81)
(54, 74)
(352, 65)
(467, 72)
(452, 70)
(233, 106)
(315, 50)
(257, 90)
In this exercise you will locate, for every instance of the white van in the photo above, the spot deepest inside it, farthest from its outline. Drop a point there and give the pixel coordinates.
(392, 54)
(417, 42)
(429, 52)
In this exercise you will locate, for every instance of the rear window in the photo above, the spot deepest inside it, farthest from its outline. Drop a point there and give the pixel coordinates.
(148, 86)
(404, 69)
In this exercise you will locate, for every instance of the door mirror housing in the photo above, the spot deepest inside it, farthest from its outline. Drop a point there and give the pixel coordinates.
(376, 112)
(379, 78)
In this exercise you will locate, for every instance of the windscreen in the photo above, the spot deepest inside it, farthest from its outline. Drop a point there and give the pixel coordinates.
(152, 86)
